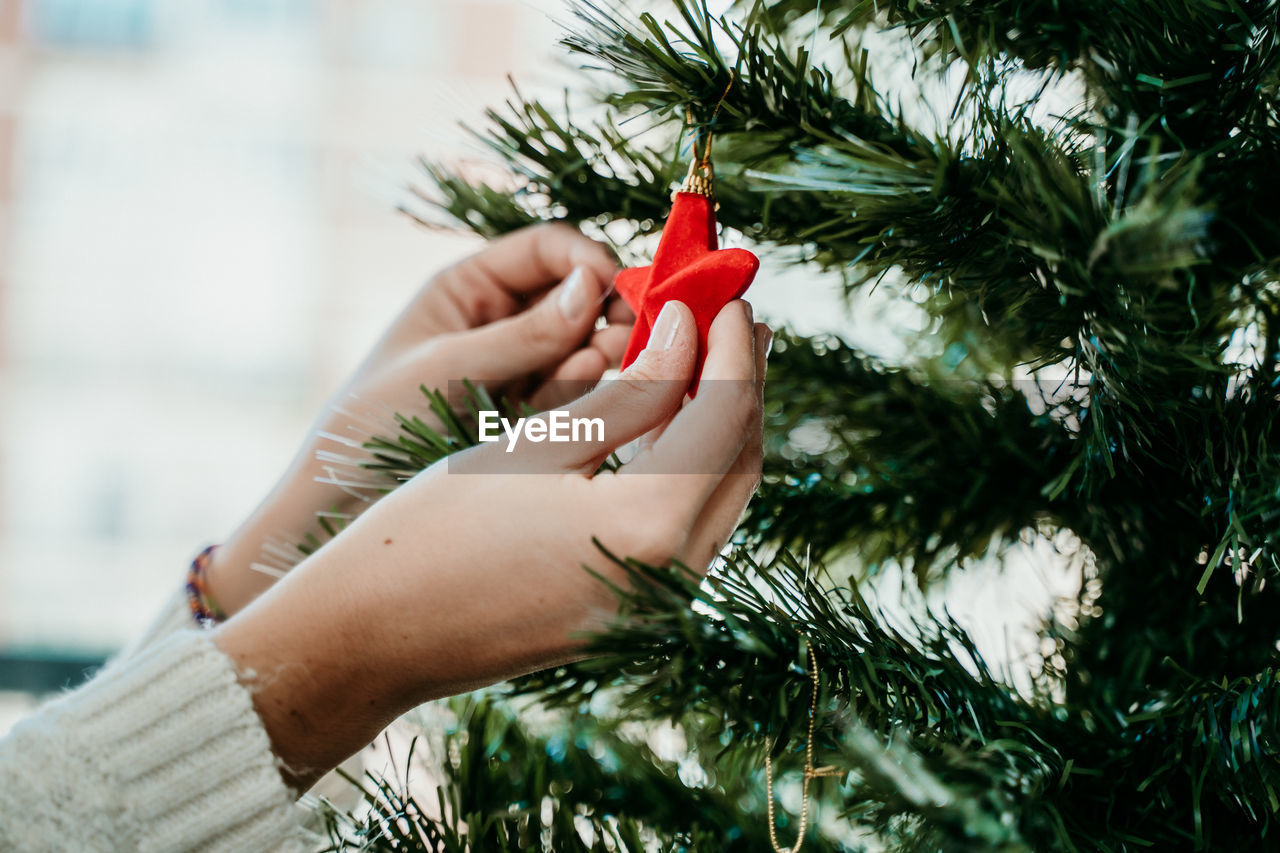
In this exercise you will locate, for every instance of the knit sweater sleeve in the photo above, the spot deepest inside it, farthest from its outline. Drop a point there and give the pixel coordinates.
(161, 751)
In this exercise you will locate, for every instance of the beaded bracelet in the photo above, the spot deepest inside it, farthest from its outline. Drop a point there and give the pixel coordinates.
(204, 610)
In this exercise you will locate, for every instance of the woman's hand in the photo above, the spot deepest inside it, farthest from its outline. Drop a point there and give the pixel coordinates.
(518, 318)
(473, 572)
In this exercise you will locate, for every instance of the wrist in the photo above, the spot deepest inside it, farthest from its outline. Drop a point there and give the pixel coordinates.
(311, 661)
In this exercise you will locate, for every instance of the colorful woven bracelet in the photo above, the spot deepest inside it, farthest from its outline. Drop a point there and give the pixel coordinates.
(204, 610)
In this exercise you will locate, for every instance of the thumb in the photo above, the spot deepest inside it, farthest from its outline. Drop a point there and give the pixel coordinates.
(537, 338)
(644, 395)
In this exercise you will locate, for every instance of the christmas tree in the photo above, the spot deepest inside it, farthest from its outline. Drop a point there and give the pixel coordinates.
(1097, 376)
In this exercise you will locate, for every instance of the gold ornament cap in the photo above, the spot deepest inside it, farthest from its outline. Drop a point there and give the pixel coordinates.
(700, 180)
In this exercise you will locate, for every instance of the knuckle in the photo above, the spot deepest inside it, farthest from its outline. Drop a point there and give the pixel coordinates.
(644, 386)
(641, 370)
(646, 392)
(475, 302)
(539, 333)
(650, 365)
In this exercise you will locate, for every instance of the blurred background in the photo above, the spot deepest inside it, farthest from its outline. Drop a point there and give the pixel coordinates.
(198, 238)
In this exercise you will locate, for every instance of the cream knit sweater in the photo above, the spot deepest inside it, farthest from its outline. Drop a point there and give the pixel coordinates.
(161, 751)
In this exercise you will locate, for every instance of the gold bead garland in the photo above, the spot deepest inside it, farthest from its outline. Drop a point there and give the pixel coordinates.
(810, 772)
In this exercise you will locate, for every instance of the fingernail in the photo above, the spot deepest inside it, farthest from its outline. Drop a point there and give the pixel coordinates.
(664, 329)
(751, 314)
(768, 343)
(573, 295)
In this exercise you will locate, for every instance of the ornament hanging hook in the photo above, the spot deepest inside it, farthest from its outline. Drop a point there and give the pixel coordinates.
(701, 177)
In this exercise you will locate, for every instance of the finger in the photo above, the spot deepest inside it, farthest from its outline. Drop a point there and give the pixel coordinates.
(650, 438)
(723, 512)
(534, 340)
(611, 343)
(644, 395)
(603, 351)
(575, 376)
(579, 373)
(706, 436)
(618, 312)
(527, 262)
(585, 364)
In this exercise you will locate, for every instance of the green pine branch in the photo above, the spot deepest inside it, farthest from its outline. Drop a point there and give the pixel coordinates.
(576, 783)
(927, 471)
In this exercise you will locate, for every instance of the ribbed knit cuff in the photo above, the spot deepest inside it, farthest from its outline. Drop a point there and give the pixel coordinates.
(186, 760)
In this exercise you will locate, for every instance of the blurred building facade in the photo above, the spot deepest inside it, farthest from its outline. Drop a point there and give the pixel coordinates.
(198, 238)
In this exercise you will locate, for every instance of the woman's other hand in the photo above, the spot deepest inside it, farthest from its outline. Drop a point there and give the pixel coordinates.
(519, 318)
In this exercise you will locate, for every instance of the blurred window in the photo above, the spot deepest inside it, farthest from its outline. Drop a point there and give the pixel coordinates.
(91, 23)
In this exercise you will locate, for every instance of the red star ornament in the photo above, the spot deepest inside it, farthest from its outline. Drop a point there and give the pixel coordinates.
(689, 267)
